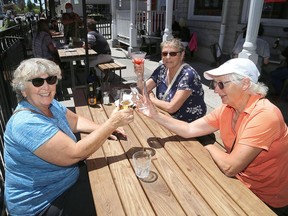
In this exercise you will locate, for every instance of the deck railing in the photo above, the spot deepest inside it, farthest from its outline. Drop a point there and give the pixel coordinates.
(12, 52)
(157, 23)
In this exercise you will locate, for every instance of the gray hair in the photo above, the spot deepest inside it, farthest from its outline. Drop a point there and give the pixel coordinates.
(254, 88)
(32, 68)
(174, 43)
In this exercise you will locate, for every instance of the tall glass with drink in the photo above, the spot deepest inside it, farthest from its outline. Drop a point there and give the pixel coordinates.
(125, 100)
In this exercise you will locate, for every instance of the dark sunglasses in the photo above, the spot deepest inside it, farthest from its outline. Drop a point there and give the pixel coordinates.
(37, 82)
(170, 53)
(221, 85)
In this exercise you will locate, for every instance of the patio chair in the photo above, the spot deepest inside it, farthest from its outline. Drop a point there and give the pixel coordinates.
(218, 55)
(148, 44)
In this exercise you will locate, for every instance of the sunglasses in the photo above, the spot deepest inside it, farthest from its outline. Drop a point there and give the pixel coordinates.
(170, 53)
(221, 85)
(37, 82)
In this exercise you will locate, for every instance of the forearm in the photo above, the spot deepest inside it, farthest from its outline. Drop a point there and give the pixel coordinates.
(221, 159)
(164, 105)
(176, 126)
(93, 141)
(85, 125)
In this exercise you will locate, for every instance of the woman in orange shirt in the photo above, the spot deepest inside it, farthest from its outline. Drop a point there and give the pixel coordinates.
(252, 129)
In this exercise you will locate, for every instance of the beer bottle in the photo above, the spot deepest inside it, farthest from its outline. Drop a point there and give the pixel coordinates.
(92, 99)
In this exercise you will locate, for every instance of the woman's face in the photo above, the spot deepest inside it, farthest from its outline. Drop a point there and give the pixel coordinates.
(171, 56)
(41, 96)
(229, 92)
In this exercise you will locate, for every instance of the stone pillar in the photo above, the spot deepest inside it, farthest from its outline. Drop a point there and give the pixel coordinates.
(133, 30)
(250, 45)
(168, 25)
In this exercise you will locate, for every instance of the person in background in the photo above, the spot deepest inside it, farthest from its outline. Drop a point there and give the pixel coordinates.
(98, 43)
(252, 129)
(43, 44)
(53, 27)
(9, 20)
(280, 74)
(44, 169)
(71, 22)
(262, 50)
(178, 86)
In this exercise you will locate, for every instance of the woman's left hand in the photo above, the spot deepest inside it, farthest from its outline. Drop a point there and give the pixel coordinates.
(119, 132)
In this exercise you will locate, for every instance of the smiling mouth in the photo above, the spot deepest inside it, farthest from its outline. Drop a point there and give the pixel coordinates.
(45, 95)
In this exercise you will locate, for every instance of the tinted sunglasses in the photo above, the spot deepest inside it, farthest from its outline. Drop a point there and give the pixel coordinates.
(37, 82)
(170, 53)
(221, 85)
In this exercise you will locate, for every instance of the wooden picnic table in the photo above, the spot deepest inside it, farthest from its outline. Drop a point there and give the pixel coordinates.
(185, 179)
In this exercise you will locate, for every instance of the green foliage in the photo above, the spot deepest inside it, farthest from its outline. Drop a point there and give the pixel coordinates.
(30, 5)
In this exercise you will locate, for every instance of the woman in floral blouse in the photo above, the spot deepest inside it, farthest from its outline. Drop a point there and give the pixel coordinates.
(178, 86)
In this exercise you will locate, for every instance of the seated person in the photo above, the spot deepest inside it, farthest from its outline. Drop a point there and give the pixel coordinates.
(50, 178)
(279, 75)
(98, 43)
(262, 50)
(53, 27)
(178, 86)
(43, 44)
(256, 150)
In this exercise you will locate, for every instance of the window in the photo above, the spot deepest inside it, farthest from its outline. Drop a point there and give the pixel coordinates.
(275, 9)
(208, 10)
(208, 7)
(274, 12)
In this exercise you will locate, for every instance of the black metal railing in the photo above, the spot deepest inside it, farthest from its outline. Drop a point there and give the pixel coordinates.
(12, 51)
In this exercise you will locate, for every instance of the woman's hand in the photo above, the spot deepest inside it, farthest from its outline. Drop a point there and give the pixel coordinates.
(150, 110)
(119, 132)
(121, 117)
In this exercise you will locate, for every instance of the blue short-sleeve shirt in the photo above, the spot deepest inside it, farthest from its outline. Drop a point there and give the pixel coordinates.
(32, 183)
(188, 79)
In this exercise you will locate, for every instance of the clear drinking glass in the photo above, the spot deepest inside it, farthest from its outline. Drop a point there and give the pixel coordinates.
(125, 100)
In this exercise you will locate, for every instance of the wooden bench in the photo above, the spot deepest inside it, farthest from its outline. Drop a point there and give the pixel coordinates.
(111, 66)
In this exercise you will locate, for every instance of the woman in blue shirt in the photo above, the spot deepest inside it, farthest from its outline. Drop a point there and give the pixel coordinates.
(42, 155)
(178, 86)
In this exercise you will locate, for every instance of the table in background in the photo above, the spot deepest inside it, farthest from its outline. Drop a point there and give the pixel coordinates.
(186, 179)
(74, 54)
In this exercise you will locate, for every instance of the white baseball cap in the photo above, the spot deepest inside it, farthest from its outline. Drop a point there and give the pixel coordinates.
(241, 66)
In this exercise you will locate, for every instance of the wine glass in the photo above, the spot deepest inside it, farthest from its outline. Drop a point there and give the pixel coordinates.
(138, 58)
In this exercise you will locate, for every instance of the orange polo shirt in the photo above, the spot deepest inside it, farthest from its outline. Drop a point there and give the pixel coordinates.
(260, 125)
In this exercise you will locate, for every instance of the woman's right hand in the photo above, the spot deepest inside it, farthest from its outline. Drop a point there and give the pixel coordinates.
(150, 110)
(123, 117)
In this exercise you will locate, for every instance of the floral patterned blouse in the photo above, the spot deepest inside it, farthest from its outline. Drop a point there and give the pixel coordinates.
(188, 79)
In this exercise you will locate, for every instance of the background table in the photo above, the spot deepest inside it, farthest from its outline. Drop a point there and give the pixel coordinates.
(186, 179)
(74, 54)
